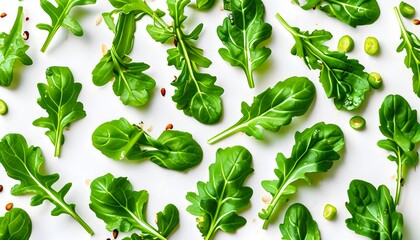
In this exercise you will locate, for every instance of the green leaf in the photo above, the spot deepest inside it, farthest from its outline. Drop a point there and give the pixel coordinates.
(400, 126)
(118, 139)
(299, 225)
(411, 44)
(243, 33)
(218, 201)
(15, 225)
(23, 163)
(373, 212)
(59, 99)
(60, 17)
(314, 151)
(204, 4)
(351, 12)
(114, 201)
(273, 108)
(130, 84)
(343, 79)
(12, 48)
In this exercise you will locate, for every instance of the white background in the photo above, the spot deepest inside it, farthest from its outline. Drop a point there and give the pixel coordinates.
(81, 162)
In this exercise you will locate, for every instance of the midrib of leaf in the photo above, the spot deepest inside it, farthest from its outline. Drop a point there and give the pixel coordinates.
(247, 52)
(345, 6)
(117, 62)
(399, 161)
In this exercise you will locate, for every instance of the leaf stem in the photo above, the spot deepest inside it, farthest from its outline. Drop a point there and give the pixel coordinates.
(400, 178)
(226, 133)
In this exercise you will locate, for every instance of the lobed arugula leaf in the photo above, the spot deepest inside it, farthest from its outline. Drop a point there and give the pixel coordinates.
(60, 17)
(314, 151)
(23, 163)
(299, 225)
(351, 12)
(343, 79)
(12, 48)
(411, 44)
(114, 201)
(218, 201)
(175, 150)
(273, 108)
(373, 212)
(59, 99)
(402, 131)
(242, 34)
(15, 225)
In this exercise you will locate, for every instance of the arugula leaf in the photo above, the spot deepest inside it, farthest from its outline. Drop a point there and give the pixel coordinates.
(175, 150)
(114, 201)
(131, 84)
(204, 4)
(351, 12)
(12, 48)
(15, 225)
(314, 151)
(411, 44)
(299, 224)
(343, 79)
(373, 212)
(242, 34)
(400, 126)
(23, 163)
(59, 99)
(60, 17)
(273, 108)
(218, 201)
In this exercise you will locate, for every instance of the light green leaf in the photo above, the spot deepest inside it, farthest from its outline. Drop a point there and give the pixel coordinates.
(299, 225)
(15, 225)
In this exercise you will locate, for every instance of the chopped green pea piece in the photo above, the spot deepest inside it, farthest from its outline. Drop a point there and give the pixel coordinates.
(372, 46)
(357, 122)
(375, 80)
(407, 10)
(345, 44)
(3, 107)
(329, 212)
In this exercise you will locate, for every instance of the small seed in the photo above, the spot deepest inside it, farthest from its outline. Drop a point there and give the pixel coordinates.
(1, 188)
(27, 18)
(416, 22)
(163, 91)
(104, 49)
(3, 14)
(175, 41)
(9, 206)
(115, 233)
(98, 20)
(108, 239)
(175, 78)
(25, 35)
(88, 182)
(169, 126)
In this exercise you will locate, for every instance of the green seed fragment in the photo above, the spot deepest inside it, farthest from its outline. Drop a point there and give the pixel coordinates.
(345, 44)
(357, 122)
(3, 107)
(329, 212)
(375, 80)
(407, 10)
(372, 46)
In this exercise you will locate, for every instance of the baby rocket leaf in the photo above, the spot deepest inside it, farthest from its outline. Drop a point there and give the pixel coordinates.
(60, 17)
(15, 225)
(411, 44)
(273, 108)
(59, 99)
(373, 212)
(218, 201)
(12, 48)
(242, 33)
(23, 163)
(299, 225)
(118, 139)
(402, 131)
(343, 79)
(204, 4)
(314, 151)
(114, 201)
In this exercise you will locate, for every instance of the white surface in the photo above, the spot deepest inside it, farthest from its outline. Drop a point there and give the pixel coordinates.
(80, 161)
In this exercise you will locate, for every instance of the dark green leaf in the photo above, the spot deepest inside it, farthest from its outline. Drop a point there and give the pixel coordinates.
(314, 151)
(114, 201)
(273, 108)
(12, 48)
(23, 163)
(373, 212)
(242, 33)
(59, 99)
(15, 225)
(299, 225)
(218, 201)
(118, 139)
